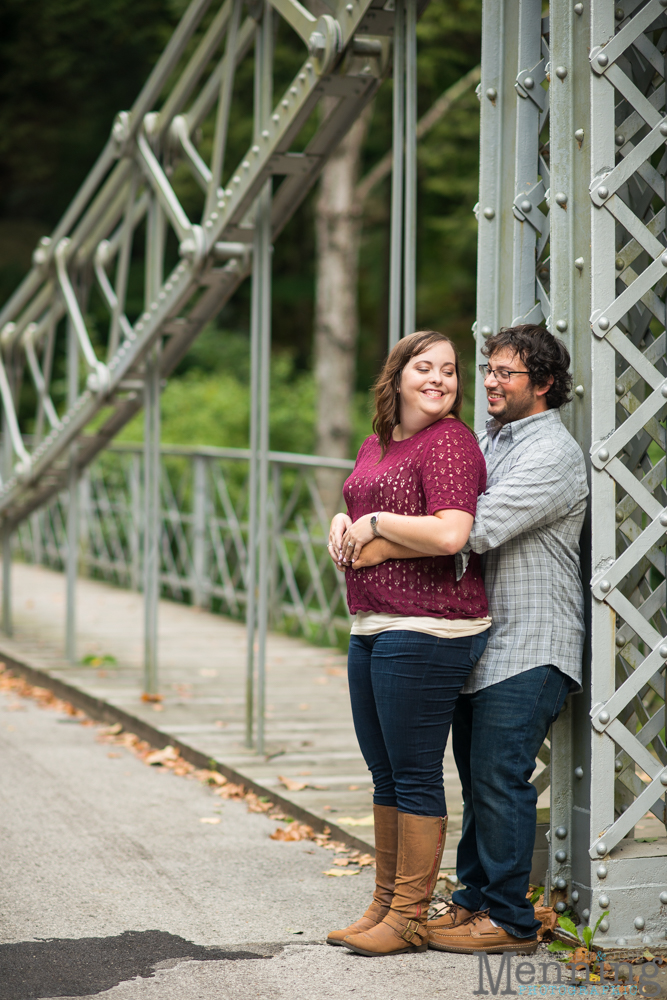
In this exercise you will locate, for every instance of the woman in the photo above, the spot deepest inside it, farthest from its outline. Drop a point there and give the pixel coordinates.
(417, 632)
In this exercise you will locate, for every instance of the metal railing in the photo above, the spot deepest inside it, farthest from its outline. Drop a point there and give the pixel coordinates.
(203, 533)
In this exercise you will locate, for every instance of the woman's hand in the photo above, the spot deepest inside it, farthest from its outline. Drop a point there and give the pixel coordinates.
(356, 536)
(339, 524)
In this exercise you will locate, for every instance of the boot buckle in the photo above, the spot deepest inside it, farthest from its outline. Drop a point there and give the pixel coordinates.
(410, 930)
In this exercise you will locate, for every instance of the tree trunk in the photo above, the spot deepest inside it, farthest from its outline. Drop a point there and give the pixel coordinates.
(338, 224)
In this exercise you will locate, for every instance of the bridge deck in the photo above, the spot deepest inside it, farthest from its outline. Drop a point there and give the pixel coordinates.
(310, 736)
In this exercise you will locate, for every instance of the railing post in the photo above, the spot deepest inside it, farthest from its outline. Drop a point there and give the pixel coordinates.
(200, 591)
(72, 558)
(134, 528)
(155, 230)
(7, 624)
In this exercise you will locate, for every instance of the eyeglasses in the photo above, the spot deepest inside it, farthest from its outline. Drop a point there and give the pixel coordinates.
(499, 374)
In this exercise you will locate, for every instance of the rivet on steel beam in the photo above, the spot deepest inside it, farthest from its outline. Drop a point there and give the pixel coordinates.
(491, 93)
(586, 913)
(603, 901)
(663, 652)
(578, 9)
(603, 192)
(603, 323)
(489, 213)
(603, 925)
(639, 923)
(602, 871)
(601, 848)
(605, 585)
(604, 716)
(560, 883)
(561, 832)
(579, 772)
(603, 59)
(579, 391)
(618, 766)
(663, 898)
(575, 895)
(619, 263)
(663, 128)
(620, 389)
(561, 199)
(561, 72)
(349, 8)
(603, 455)
(265, 134)
(560, 857)
(528, 82)
(620, 641)
(486, 331)
(621, 942)
(580, 135)
(663, 260)
(620, 139)
(526, 206)
(663, 520)
(560, 906)
(619, 13)
(663, 778)
(620, 517)
(561, 325)
(579, 263)
(647, 939)
(664, 391)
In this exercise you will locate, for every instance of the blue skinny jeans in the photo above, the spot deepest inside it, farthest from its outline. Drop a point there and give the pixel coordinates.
(496, 735)
(403, 688)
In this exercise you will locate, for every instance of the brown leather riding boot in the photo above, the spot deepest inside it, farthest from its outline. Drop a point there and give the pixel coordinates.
(386, 847)
(421, 841)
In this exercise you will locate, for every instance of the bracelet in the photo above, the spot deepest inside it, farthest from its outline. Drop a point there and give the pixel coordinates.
(374, 525)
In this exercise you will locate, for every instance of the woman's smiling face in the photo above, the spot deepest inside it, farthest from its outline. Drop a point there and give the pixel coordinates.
(428, 385)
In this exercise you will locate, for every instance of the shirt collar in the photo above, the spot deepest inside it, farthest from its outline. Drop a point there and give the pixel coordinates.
(517, 430)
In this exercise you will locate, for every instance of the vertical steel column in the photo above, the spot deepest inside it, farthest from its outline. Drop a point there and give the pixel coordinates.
(397, 176)
(262, 274)
(72, 566)
(155, 230)
(260, 358)
(569, 267)
(410, 235)
(496, 178)
(134, 527)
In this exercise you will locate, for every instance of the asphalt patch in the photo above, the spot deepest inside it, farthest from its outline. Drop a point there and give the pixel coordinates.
(33, 970)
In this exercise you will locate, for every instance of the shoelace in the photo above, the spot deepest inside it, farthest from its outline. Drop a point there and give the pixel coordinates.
(478, 915)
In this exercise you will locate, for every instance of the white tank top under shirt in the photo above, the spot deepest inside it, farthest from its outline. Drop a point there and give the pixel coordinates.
(370, 623)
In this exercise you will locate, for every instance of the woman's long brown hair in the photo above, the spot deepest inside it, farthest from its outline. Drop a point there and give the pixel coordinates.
(387, 397)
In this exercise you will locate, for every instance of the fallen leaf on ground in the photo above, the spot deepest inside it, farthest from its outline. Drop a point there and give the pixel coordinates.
(356, 821)
(151, 697)
(210, 777)
(342, 862)
(295, 831)
(257, 804)
(291, 785)
(162, 756)
(337, 872)
(111, 730)
(365, 859)
(353, 788)
(548, 918)
(210, 819)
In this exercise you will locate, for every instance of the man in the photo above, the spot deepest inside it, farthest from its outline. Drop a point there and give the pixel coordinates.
(528, 525)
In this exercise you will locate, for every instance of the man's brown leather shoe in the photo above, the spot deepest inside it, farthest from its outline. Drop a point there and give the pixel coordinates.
(451, 916)
(478, 934)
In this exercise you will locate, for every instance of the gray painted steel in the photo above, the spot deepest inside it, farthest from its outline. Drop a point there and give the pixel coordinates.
(576, 104)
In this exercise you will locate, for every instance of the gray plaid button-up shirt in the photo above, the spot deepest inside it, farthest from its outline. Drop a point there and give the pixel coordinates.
(527, 526)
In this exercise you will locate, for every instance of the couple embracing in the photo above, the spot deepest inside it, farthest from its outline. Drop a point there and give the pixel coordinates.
(462, 567)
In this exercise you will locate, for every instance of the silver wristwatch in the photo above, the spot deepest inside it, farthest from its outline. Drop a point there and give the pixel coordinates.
(374, 524)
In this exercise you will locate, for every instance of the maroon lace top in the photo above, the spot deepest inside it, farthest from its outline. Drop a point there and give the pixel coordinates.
(439, 468)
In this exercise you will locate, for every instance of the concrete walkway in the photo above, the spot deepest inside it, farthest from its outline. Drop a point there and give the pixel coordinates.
(310, 737)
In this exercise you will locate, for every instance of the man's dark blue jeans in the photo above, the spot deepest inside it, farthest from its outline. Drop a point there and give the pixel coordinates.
(403, 688)
(496, 735)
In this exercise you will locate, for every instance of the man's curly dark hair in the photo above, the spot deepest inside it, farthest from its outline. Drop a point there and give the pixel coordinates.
(542, 354)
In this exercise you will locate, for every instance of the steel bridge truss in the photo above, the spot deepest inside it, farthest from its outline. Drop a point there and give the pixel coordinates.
(572, 218)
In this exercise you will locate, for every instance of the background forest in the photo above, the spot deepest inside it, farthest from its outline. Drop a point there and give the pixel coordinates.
(68, 66)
